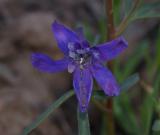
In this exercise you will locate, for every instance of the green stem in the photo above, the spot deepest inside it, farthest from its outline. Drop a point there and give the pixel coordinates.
(83, 123)
(126, 20)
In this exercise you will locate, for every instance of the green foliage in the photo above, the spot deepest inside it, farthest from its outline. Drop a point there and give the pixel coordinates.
(138, 10)
(124, 111)
(128, 4)
(50, 109)
(132, 62)
(117, 9)
(130, 81)
(135, 58)
(83, 123)
(157, 47)
(146, 114)
(148, 10)
(125, 115)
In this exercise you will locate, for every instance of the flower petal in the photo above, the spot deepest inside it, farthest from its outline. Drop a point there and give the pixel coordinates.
(112, 49)
(106, 80)
(83, 83)
(64, 36)
(80, 33)
(44, 63)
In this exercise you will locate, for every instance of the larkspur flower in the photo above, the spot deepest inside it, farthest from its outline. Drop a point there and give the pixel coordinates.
(83, 61)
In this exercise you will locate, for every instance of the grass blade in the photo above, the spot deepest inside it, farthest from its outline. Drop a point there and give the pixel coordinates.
(148, 10)
(130, 81)
(44, 115)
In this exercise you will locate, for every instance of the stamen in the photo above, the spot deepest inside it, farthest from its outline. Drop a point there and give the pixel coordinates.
(72, 54)
(81, 51)
(71, 68)
(96, 54)
(81, 66)
(81, 56)
(81, 60)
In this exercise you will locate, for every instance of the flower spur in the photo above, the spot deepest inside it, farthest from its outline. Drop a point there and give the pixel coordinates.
(83, 61)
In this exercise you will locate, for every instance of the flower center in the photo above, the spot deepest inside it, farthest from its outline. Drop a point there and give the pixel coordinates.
(80, 56)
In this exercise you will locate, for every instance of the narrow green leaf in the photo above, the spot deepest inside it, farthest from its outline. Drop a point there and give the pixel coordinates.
(128, 5)
(125, 115)
(83, 123)
(148, 10)
(117, 9)
(44, 115)
(133, 60)
(147, 113)
(158, 48)
(130, 81)
(123, 109)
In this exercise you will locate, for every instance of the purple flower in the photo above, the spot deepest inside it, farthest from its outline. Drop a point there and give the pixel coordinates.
(83, 61)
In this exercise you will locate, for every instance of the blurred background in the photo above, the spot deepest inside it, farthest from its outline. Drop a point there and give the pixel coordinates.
(25, 27)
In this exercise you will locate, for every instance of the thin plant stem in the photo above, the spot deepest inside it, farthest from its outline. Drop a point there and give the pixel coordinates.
(123, 25)
(110, 21)
(109, 119)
